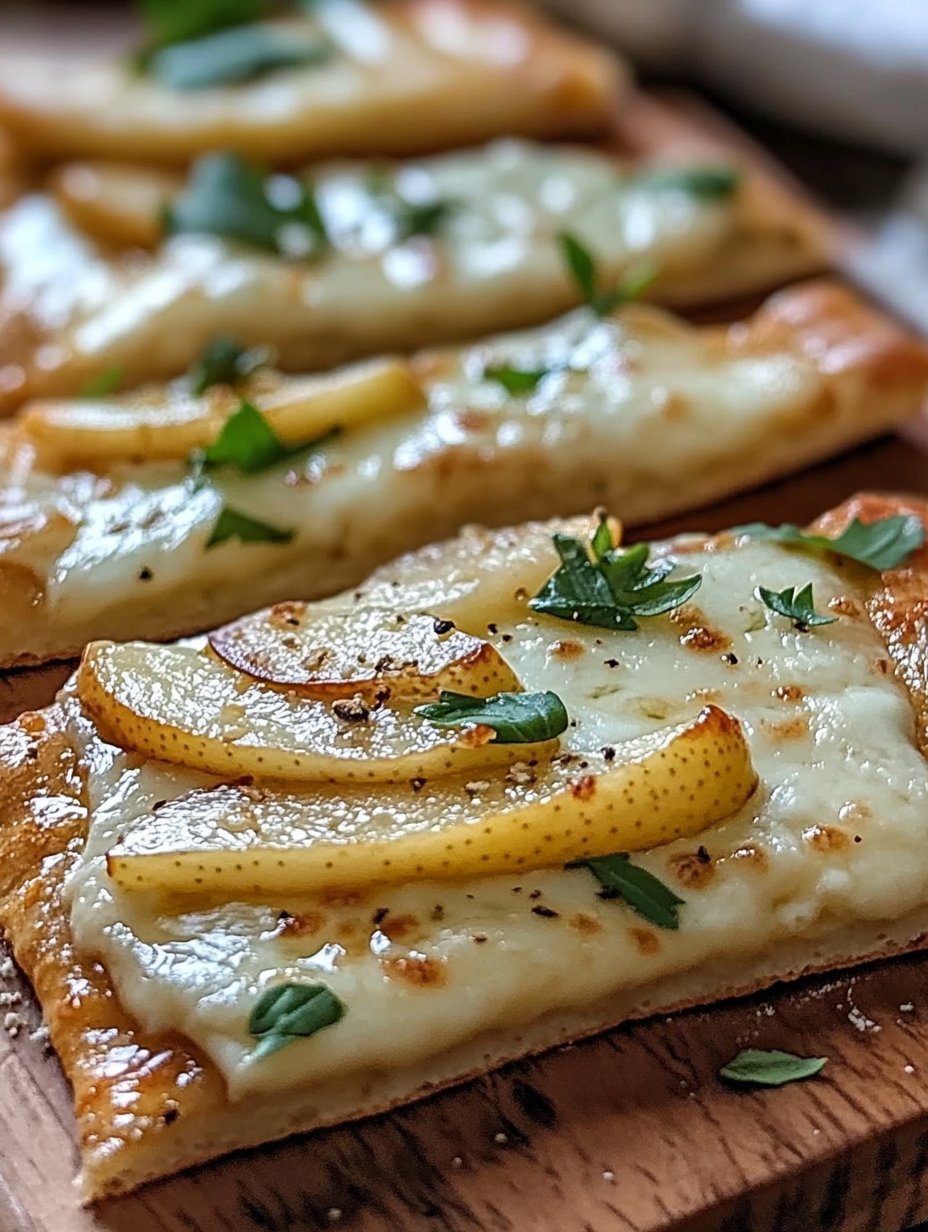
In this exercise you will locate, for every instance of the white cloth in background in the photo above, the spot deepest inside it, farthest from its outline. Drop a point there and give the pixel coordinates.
(856, 69)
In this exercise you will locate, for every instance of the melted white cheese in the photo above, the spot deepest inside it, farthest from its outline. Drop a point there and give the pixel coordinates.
(834, 834)
(630, 408)
(493, 263)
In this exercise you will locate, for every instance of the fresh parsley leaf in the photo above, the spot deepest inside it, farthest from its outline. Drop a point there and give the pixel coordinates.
(796, 605)
(288, 1012)
(515, 381)
(175, 21)
(882, 544)
(420, 218)
(771, 1069)
(580, 263)
(707, 183)
(105, 383)
(224, 362)
(517, 718)
(248, 442)
(644, 893)
(582, 266)
(408, 217)
(232, 524)
(226, 57)
(225, 195)
(613, 587)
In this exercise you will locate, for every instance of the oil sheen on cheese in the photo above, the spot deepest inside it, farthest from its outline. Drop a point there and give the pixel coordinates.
(833, 834)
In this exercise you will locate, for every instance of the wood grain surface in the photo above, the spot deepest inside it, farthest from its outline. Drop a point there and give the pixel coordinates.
(629, 1132)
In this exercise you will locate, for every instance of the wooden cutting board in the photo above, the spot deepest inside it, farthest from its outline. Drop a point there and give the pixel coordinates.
(629, 1132)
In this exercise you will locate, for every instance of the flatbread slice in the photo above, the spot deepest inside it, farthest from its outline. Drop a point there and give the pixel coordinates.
(392, 77)
(108, 530)
(376, 257)
(820, 864)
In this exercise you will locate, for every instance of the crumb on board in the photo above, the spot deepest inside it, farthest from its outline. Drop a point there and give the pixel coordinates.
(500, 1139)
(457, 1162)
(333, 1214)
(13, 1023)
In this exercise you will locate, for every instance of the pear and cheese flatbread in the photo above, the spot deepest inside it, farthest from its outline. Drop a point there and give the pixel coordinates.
(97, 277)
(109, 527)
(704, 772)
(339, 77)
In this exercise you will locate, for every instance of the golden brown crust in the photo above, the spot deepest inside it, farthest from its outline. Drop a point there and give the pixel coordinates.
(898, 602)
(840, 332)
(550, 84)
(114, 1067)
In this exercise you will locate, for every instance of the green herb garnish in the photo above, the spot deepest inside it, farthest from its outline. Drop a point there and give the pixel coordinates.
(515, 381)
(612, 587)
(707, 183)
(227, 57)
(408, 217)
(224, 362)
(228, 196)
(175, 21)
(105, 383)
(771, 1069)
(582, 266)
(883, 544)
(285, 1013)
(644, 893)
(232, 524)
(249, 443)
(517, 718)
(795, 605)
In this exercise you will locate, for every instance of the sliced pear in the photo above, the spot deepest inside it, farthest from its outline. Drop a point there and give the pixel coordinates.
(168, 423)
(307, 407)
(119, 204)
(482, 577)
(326, 653)
(154, 425)
(233, 841)
(175, 704)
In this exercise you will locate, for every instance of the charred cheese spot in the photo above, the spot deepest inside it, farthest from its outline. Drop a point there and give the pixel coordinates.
(566, 650)
(400, 927)
(703, 637)
(416, 970)
(646, 941)
(794, 728)
(826, 838)
(789, 693)
(588, 925)
(304, 924)
(693, 869)
(751, 856)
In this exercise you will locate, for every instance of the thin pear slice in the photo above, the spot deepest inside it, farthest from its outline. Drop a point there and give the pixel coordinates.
(118, 204)
(327, 653)
(307, 407)
(233, 841)
(167, 424)
(175, 704)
